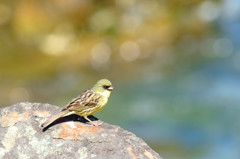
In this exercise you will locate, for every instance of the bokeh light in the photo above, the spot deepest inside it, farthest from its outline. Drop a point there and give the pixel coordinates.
(174, 64)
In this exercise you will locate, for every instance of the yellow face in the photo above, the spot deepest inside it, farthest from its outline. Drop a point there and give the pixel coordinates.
(103, 87)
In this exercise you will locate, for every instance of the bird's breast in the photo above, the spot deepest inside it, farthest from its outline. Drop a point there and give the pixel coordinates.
(103, 101)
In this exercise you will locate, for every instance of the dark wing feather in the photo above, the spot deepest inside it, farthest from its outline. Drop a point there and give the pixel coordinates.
(86, 99)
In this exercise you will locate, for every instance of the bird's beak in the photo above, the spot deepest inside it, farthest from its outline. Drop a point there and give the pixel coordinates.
(110, 88)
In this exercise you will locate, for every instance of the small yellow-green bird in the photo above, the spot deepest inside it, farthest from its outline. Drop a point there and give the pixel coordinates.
(87, 103)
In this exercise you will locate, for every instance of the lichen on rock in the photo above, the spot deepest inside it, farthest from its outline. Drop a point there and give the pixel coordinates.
(70, 137)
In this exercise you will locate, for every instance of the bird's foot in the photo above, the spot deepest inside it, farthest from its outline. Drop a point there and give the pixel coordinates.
(96, 123)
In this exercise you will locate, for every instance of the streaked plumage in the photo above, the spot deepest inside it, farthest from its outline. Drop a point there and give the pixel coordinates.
(87, 103)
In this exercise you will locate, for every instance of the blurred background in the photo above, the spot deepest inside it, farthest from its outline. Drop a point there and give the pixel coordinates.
(174, 64)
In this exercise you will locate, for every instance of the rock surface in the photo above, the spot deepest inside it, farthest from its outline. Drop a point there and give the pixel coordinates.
(70, 137)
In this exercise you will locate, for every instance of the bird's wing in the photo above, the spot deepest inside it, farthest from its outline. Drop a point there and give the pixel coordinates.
(86, 99)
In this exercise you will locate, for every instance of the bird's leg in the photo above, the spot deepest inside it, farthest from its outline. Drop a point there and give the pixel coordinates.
(93, 124)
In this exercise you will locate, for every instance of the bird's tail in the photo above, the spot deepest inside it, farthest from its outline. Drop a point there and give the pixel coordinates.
(55, 117)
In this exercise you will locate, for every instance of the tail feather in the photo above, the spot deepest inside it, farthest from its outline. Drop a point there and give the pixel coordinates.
(55, 117)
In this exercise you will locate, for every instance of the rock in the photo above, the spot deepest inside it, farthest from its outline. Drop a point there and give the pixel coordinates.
(70, 137)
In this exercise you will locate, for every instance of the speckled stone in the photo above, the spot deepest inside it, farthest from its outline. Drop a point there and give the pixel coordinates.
(70, 137)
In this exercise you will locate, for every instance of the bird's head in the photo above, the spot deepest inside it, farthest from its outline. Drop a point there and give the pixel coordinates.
(103, 87)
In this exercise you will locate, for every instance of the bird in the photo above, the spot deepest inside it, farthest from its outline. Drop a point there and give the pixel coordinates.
(87, 103)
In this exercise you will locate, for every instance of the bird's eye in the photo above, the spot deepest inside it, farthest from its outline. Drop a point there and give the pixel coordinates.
(105, 87)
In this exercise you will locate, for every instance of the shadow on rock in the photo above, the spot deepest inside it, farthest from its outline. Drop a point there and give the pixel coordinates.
(72, 117)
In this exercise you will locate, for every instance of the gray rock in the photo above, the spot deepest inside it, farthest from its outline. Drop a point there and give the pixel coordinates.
(70, 137)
